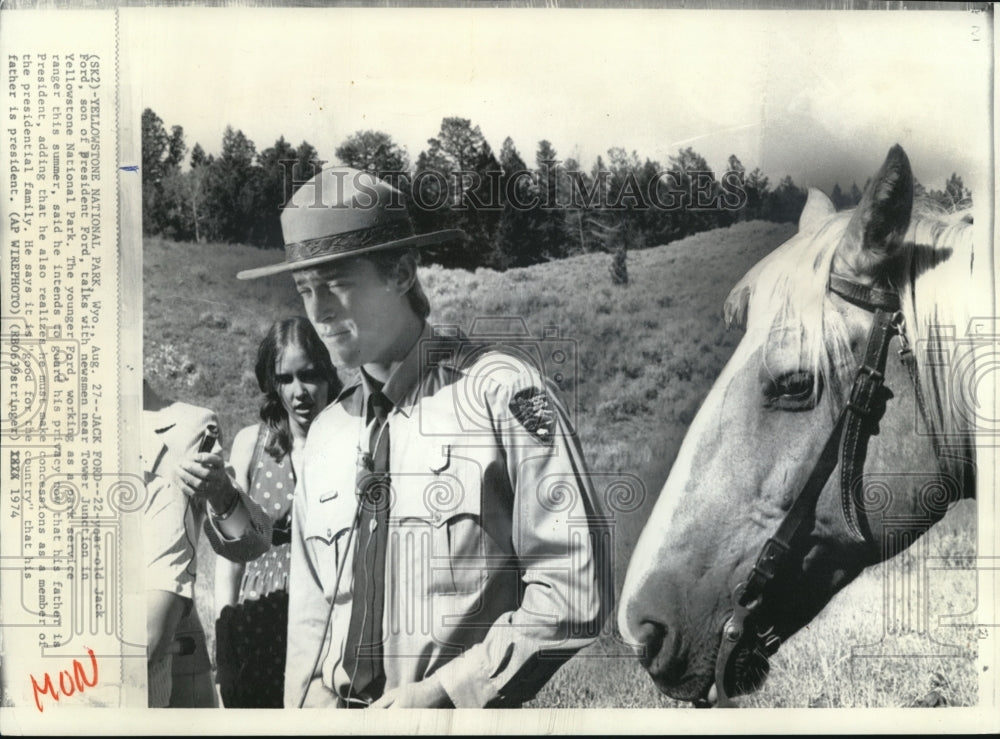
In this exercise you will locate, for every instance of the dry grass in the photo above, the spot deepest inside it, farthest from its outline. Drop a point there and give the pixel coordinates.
(647, 354)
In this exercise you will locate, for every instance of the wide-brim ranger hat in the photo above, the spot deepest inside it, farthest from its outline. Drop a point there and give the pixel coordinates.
(342, 213)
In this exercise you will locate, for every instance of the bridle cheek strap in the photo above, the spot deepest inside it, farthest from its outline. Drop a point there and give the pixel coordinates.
(773, 556)
(863, 412)
(847, 444)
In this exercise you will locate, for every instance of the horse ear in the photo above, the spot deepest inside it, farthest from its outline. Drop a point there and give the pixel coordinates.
(817, 209)
(880, 221)
(734, 310)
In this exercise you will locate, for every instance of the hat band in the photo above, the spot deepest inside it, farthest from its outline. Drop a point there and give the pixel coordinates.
(348, 241)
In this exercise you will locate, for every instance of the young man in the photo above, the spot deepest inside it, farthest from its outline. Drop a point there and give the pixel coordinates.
(443, 551)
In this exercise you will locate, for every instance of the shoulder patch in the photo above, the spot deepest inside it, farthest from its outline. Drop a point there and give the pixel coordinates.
(532, 410)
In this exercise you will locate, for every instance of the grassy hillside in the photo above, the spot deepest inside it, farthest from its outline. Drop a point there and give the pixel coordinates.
(646, 355)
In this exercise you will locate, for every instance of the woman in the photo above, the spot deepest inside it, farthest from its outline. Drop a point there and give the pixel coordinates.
(296, 375)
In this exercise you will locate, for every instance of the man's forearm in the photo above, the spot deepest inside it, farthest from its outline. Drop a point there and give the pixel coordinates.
(241, 535)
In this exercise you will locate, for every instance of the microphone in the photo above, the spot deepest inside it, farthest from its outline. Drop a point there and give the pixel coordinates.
(209, 439)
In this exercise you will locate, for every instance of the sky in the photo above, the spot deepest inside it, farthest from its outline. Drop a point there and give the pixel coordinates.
(818, 95)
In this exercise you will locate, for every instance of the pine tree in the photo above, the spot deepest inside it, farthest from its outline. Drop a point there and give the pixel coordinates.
(757, 190)
(568, 195)
(958, 195)
(785, 204)
(374, 151)
(162, 154)
(699, 189)
(838, 198)
(200, 164)
(455, 186)
(232, 186)
(735, 176)
(307, 165)
(514, 237)
(276, 180)
(548, 216)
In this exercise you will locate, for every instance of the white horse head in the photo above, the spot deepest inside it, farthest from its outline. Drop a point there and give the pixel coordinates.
(760, 434)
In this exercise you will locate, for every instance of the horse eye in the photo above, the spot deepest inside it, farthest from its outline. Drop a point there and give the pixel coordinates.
(792, 391)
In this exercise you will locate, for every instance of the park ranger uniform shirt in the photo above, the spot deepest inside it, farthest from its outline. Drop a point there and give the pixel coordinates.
(495, 574)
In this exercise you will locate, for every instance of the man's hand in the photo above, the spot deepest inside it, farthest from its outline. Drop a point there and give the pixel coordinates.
(203, 476)
(424, 694)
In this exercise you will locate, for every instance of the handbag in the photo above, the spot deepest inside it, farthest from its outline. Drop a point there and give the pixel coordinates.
(250, 642)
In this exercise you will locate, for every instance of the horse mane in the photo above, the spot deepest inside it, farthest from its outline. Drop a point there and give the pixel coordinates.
(939, 300)
(785, 294)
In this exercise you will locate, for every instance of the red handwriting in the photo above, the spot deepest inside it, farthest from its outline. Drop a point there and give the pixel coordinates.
(69, 682)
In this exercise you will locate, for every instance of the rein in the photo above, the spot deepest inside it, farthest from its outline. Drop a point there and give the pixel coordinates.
(847, 444)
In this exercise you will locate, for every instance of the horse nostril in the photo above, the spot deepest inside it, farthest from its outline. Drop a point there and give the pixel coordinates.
(650, 636)
(638, 629)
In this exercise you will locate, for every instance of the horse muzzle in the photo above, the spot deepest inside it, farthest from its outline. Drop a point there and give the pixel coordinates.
(743, 660)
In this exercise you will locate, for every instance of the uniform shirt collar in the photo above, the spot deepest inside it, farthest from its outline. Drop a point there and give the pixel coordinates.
(404, 377)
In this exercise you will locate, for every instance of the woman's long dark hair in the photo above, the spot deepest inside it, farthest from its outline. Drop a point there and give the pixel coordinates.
(282, 334)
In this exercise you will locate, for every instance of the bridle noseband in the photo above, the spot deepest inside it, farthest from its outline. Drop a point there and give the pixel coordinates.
(847, 444)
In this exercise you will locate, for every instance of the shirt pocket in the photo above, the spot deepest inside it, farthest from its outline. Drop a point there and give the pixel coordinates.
(327, 535)
(437, 518)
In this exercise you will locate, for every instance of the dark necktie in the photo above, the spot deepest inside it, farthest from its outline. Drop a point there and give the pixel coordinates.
(363, 655)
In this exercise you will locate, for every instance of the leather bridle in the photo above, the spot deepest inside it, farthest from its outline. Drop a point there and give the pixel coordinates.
(848, 445)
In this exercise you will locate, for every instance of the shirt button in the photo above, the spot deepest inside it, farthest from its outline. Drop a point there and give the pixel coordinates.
(329, 533)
